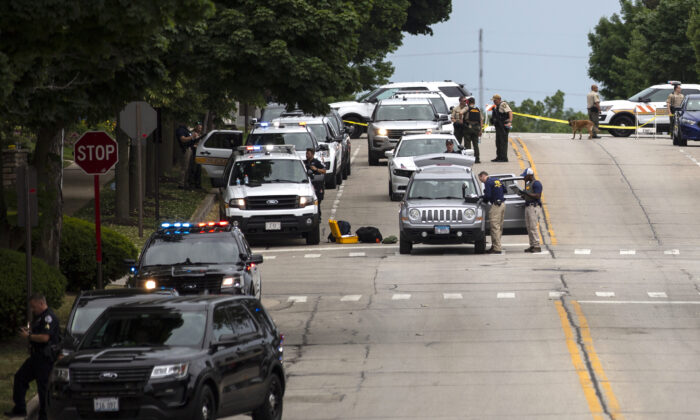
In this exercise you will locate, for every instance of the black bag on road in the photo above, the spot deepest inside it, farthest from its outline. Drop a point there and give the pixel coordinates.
(369, 234)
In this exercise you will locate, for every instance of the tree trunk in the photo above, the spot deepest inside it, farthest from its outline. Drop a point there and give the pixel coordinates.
(150, 168)
(121, 178)
(49, 168)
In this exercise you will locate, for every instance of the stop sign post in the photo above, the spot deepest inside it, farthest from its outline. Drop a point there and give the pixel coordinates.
(95, 153)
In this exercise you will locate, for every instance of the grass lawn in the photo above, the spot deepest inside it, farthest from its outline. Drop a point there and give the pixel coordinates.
(14, 352)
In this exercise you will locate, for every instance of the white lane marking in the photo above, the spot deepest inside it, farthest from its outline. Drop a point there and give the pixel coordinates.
(662, 295)
(505, 295)
(336, 202)
(354, 155)
(400, 296)
(645, 302)
(582, 251)
(452, 296)
(556, 294)
(627, 252)
(357, 254)
(689, 157)
(605, 294)
(312, 255)
(338, 247)
(297, 299)
(270, 257)
(672, 252)
(350, 298)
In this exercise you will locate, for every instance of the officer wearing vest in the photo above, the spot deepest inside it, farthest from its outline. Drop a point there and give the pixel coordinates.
(457, 118)
(502, 118)
(533, 205)
(494, 194)
(472, 128)
(593, 106)
(43, 337)
(673, 104)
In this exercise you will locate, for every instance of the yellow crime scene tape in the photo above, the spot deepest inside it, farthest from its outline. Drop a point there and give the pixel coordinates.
(356, 123)
(618, 127)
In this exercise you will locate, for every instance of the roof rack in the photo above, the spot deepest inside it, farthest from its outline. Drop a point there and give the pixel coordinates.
(267, 149)
(415, 92)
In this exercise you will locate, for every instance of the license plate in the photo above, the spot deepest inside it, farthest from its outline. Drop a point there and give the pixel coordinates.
(106, 404)
(273, 225)
(442, 230)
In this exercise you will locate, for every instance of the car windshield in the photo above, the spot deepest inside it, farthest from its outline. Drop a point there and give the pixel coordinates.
(435, 189)
(85, 315)
(300, 140)
(693, 105)
(417, 112)
(651, 95)
(269, 114)
(440, 105)
(146, 329)
(418, 147)
(193, 248)
(268, 171)
(319, 131)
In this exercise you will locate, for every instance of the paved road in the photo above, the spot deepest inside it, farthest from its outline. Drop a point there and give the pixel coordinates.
(603, 324)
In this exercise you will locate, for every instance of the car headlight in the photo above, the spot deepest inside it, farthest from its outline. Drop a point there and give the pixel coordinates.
(382, 132)
(237, 203)
(175, 371)
(469, 214)
(414, 214)
(229, 282)
(306, 200)
(150, 284)
(605, 108)
(687, 121)
(61, 374)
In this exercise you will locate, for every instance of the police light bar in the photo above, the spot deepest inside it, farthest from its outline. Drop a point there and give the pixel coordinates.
(174, 225)
(263, 124)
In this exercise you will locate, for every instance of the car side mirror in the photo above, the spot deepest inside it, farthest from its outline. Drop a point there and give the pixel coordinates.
(470, 198)
(217, 182)
(253, 121)
(389, 154)
(443, 117)
(323, 147)
(255, 259)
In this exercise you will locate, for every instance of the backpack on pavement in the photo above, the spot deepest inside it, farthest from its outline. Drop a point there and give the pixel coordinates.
(369, 234)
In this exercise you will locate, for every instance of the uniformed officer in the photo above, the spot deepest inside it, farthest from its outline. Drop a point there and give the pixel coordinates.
(43, 337)
(593, 106)
(457, 118)
(502, 118)
(533, 205)
(673, 104)
(450, 147)
(473, 121)
(494, 194)
(315, 167)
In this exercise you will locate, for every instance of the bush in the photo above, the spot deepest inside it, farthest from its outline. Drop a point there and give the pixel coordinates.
(77, 254)
(13, 291)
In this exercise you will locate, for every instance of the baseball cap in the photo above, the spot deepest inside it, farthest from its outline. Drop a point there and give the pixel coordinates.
(527, 172)
(496, 96)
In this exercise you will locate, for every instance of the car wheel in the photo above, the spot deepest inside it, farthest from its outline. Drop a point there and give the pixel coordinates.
(355, 131)
(480, 246)
(392, 195)
(313, 237)
(206, 405)
(622, 120)
(674, 136)
(405, 246)
(372, 159)
(682, 140)
(331, 181)
(339, 176)
(348, 168)
(271, 408)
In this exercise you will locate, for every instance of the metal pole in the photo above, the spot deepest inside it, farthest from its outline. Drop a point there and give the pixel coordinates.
(481, 70)
(139, 167)
(28, 239)
(98, 232)
(158, 138)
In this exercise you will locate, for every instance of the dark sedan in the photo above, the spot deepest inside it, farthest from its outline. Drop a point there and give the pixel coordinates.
(687, 126)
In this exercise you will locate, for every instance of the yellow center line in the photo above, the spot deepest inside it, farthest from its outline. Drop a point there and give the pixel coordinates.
(552, 236)
(584, 378)
(521, 162)
(596, 365)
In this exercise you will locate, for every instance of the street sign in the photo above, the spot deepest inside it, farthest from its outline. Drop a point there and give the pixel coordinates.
(138, 120)
(95, 152)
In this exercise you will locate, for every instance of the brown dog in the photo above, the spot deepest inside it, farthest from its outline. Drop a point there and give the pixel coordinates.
(579, 125)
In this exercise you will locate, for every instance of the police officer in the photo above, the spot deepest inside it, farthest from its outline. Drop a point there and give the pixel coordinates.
(533, 205)
(494, 194)
(593, 106)
(673, 104)
(457, 118)
(450, 147)
(43, 337)
(502, 118)
(315, 167)
(473, 120)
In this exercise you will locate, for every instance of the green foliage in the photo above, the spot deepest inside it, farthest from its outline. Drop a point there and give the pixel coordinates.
(13, 292)
(552, 107)
(650, 43)
(77, 255)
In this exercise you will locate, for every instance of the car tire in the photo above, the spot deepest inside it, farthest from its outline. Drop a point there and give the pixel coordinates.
(271, 408)
(331, 182)
(205, 409)
(480, 246)
(348, 170)
(392, 195)
(355, 130)
(674, 136)
(625, 120)
(682, 141)
(339, 176)
(313, 237)
(405, 246)
(372, 159)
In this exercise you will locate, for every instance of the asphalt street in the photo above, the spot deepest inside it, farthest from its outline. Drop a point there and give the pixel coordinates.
(603, 324)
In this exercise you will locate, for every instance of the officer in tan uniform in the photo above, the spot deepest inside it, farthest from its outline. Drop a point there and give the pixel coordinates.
(593, 106)
(673, 103)
(457, 118)
(502, 118)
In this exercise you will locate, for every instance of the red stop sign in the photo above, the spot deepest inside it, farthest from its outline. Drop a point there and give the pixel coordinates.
(95, 152)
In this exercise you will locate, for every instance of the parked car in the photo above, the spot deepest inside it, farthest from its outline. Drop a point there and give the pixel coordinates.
(687, 126)
(215, 148)
(195, 357)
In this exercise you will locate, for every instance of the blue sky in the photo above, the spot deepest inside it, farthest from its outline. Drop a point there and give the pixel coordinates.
(537, 47)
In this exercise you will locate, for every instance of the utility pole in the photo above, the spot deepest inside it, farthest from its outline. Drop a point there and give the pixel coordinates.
(481, 70)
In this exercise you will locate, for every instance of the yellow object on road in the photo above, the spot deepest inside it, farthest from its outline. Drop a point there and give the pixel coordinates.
(341, 239)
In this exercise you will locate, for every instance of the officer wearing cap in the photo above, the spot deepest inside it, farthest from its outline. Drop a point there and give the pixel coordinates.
(43, 338)
(533, 205)
(457, 118)
(494, 194)
(593, 106)
(450, 147)
(673, 104)
(502, 118)
(472, 128)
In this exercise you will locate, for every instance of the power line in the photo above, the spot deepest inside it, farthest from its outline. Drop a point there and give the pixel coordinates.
(529, 54)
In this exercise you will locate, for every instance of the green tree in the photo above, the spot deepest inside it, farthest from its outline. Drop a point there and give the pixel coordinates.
(694, 36)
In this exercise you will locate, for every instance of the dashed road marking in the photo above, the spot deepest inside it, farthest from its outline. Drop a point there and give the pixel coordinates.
(672, 252)
(662, 295)
(556, 294)
(627, 252)
(351, 298)
(605, 294)
(695, 161)
(357, 254)
(312, 255)
(582, 251)
(270, 257)
(297, 299)
(354, 155)
(452, 296)
(401, 296)
(505, 295)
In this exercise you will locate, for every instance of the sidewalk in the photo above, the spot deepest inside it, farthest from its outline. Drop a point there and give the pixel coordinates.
(78, 188)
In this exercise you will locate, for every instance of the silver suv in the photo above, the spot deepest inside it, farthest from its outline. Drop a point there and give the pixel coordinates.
(394, 118)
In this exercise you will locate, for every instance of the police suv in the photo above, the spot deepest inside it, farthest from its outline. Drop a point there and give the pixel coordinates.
(265, 190)
(645, 105)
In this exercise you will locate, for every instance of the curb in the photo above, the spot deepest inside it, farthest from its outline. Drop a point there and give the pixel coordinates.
(33, 408)
(204, 207)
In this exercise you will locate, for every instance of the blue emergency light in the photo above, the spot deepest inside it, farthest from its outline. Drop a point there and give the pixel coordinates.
(264, 124)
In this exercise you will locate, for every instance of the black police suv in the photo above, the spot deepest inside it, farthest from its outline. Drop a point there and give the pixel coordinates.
(91, 303)
(187, 357)
(198, 258)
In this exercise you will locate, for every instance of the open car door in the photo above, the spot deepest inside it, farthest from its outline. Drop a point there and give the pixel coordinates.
(514, 220)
